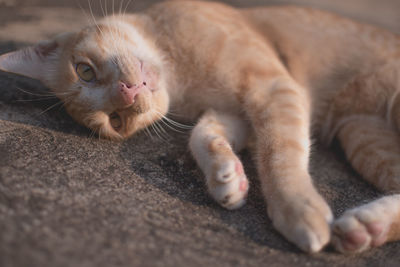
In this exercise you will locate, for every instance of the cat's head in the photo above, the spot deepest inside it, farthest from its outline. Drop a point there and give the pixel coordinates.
(109, 76)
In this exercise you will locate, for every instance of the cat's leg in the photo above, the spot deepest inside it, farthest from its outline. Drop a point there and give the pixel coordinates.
(213, 142)
(373, 148)
(279, 110)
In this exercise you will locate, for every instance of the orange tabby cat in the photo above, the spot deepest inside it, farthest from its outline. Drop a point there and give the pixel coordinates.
(265, 75)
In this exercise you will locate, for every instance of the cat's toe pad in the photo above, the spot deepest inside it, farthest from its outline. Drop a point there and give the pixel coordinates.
(228, 185)
(228, 171)
(360, 229)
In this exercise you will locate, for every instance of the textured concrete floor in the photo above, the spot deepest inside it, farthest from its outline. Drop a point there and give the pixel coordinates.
(68, 199)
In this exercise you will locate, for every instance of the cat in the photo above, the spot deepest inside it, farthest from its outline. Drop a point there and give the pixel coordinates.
(266, 78)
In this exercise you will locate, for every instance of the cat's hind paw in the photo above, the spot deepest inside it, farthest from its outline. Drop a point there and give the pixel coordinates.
(228, 184)
(362, 228)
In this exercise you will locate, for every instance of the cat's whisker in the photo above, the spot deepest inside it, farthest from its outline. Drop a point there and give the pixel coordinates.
(51, 107)
(105, 8)
(156, 129)
(174, 123)
(94, 19)
(158, 125)
(149, 133)
(171, 127)
(181, 125)
(38, 99)
(42, 95)
(120, 7)
(100, 134)
(60, 103)
(126, 7)
(164, 136)
(86, 15)
(174, 114)
(177, 124)
(102, 9)
(160, 119)
(160, 130)
(113, 8)
(117, 35)
(68, 93)
(146, 132)
(156, 132)
(66, 101)
(66, 96)
(92, 133)
(91, 12)
(114, 42)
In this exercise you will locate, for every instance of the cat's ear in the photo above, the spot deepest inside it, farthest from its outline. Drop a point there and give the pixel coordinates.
(34, 61)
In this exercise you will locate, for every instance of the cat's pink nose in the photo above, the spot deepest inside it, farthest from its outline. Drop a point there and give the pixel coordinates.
(127, 92)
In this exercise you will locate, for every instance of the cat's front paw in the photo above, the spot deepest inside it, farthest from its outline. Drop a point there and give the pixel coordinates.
(364, 227)
(228, 184)
(303, 219)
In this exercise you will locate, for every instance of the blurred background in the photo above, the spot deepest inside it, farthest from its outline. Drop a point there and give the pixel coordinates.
(48, 17)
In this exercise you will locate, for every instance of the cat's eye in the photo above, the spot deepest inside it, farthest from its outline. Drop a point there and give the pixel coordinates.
(85, 72)
(115, 121)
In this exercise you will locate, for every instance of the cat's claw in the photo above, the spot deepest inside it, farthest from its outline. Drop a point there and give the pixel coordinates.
(228, 183)
(362, 228)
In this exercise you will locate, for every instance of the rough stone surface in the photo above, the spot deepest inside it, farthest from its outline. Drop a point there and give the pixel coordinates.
(70, 199)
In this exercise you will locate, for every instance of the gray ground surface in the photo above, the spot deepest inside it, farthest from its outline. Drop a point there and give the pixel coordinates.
(70, 200)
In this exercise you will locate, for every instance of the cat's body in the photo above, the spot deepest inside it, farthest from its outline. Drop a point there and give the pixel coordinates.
(265, 75)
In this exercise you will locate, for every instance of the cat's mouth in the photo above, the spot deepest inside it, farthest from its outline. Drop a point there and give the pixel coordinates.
(122, 116)
(115, 121)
